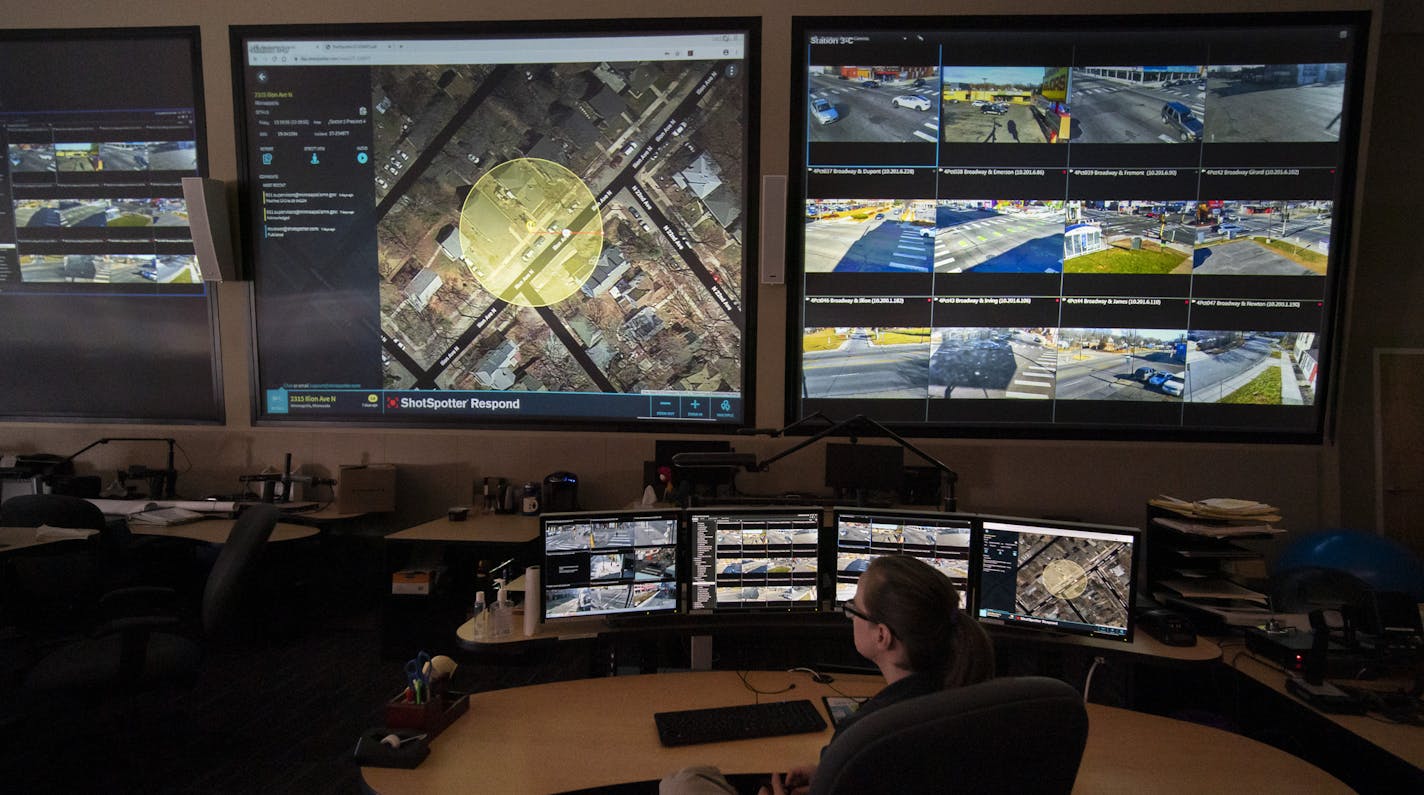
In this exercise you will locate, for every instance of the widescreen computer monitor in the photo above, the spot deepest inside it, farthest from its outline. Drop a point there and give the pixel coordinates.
(754, 559)
(103, 312)
(1090, 226)
(1058, 576)
(620, 563)
(945, 541)
(501, 224)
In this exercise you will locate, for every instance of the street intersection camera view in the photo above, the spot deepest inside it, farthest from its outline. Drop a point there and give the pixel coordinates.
(609, 564)
(497, 229)
(1062, 231)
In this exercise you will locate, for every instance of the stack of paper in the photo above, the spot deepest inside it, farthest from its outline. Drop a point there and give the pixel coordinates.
(1216, 529)
(47, 533)
(165, 517)
(1222, 509)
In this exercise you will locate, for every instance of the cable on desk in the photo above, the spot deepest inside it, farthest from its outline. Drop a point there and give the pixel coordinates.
(826, 679)
(1088, 683)
(742, 675)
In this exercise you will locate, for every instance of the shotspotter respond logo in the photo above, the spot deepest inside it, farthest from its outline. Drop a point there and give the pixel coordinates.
(452, 404)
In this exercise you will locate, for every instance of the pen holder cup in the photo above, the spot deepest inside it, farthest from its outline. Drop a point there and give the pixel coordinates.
(432, 716)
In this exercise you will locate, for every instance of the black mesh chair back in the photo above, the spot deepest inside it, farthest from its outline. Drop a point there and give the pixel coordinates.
(233, 571)
(1011, 735)
(55, 510)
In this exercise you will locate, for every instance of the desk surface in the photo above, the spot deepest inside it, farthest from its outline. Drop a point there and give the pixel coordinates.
(596, 732)
(215, 531)
(1405, 742)
(487, 528)
(13, 539)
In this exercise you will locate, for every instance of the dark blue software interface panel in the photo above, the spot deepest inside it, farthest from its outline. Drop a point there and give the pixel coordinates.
(602, 565)
(1076, 580)
(941, 541)
(498, 229)
(754, 560)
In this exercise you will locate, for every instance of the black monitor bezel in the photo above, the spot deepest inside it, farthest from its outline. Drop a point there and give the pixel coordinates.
(673, 515)
(1348, 197)
(971, 589)
(213, 412)
(795, 608)
(572, 28)
(1029, 523)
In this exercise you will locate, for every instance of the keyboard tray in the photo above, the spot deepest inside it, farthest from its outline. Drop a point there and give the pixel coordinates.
(742, 722)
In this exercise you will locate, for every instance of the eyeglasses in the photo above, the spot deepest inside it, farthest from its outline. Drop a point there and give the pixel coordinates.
(851, 610)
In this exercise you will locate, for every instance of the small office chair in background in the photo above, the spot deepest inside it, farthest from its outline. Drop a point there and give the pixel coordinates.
(151, 649)
(52, 588)
(1011, 735)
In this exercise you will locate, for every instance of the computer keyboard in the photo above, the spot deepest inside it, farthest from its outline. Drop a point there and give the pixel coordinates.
(743, 722)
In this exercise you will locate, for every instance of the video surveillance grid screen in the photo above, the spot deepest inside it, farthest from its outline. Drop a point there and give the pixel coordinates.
(604, 564)
(1073, 226)
(103, 312)
(754, 559)
(943, 541)
(1077, 579)
(520, 223)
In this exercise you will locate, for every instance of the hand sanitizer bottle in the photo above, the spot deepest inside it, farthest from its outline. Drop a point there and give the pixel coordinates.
(481, 617)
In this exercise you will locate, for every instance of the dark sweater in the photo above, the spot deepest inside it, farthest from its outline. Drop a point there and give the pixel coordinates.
(910, 687)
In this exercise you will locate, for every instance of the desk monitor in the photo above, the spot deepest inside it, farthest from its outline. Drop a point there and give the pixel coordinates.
(1058, 576)
(939, 539)
(609, 563)
(747, 559)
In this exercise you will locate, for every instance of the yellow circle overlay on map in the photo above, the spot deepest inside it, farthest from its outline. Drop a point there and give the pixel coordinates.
(531, 232)
(1065, 579)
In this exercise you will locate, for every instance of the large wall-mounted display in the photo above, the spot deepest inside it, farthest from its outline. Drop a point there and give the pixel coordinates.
(501, 225)
(103, 313)
(1073, 226)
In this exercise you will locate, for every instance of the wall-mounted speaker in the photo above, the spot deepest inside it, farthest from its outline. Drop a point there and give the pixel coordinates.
(212, 233)
(773, 229)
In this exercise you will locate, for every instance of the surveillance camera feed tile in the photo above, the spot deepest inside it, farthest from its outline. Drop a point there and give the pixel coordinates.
(97, 129)
(609, 564)
(940, 540)
(1157, 255)
(509, 224)
(1062, 578)
(754, 559)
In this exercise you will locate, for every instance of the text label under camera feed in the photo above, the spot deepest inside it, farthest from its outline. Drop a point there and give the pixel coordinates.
(1070, 227)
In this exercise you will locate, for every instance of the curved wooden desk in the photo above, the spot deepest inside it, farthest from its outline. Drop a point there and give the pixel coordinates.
(215, 531)
(597, 732)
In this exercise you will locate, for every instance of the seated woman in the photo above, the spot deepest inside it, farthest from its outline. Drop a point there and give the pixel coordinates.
(906, 620)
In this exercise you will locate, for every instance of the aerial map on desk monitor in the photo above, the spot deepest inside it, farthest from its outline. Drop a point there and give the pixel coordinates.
(499, 224)
(1060, 577)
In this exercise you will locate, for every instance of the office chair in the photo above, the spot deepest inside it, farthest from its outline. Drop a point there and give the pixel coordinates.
(1010, 735)
(150, 648)
(52, 588)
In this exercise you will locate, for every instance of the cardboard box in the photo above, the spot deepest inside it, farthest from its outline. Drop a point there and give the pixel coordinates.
(416, 582)
(369, 488)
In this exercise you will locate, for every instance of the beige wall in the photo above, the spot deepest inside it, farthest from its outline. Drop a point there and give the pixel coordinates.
(1103, 481)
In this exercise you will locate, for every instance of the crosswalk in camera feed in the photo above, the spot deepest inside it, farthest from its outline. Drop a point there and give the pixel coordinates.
(1130, 227)
(609, 564)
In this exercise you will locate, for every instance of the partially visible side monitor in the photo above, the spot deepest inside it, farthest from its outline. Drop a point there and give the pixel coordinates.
(754, 559)
(501, 224)
(609, 564)
(939, 539)
(1058, 576)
